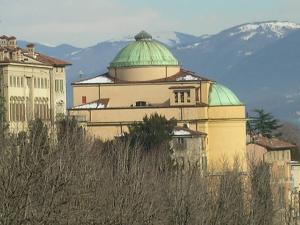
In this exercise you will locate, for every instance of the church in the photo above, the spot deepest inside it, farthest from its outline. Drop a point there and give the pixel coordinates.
(146, 78)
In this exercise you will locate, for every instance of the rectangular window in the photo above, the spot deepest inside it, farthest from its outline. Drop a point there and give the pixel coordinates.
(140, 104)
(46, 83)
(14, 79)
(188, 96)
(34, 81)
(61, 82)
(22, 82)
(182, 97)
(83, 100)
(11, 81)
(56, 86)
(18, 82)
(176, 97)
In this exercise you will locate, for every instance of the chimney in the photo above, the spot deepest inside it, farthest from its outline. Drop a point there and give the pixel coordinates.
(30, 50)
(12, 42)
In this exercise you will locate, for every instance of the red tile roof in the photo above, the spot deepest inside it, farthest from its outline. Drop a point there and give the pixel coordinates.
(273, 143)
(50, 60)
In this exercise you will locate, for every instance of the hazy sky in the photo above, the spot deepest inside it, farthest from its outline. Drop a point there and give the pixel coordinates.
(86, 22)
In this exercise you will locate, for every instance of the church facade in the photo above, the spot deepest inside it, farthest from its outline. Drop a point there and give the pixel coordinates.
(146, 78)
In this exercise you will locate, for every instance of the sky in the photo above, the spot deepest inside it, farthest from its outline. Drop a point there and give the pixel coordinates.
(86, 22)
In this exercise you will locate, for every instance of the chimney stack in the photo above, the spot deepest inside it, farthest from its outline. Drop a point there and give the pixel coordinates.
(12, 42)
(30, 49)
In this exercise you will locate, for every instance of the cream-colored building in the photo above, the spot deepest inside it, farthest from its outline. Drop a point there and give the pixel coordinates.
(188, 148)
(146, 78)
(33, 84)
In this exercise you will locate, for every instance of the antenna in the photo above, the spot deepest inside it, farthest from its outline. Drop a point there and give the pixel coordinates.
(80, 74)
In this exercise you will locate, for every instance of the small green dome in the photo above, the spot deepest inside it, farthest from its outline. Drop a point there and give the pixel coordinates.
(221, 95)
(144, 52)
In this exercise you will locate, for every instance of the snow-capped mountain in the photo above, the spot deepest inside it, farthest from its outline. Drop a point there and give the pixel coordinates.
(273, 29)
(217, 54)
(169, 38)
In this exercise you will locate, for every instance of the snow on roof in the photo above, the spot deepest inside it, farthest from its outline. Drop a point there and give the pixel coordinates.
(187, 77)
(181, 132)
(92, 105)
(96, 80)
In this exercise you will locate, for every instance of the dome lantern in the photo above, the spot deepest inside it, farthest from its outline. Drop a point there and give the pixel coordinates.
(143, 35)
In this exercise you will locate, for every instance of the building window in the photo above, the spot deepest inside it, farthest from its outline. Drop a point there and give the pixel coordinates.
(176, 97)
(180, 140)
(182, 97)
(140, 104)
(41, 108)
(22, 82)
(18, 82)
(56, 86)
(11, 81)
(61, 84)
(188, 99)
(17, 109)
(83, 100)
(39, 83)
(34, 81)
(181, 143)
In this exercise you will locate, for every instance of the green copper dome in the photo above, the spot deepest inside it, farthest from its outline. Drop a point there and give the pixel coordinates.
(144, 52)
(221, 95)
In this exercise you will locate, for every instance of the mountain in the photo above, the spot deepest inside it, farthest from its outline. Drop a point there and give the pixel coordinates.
(272, 76)
(259, 61)
(218, 53)
(62, 51)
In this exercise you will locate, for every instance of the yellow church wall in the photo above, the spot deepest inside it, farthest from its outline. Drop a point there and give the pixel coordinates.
(137, 114)
(91, 92)
(156, 94)
(226, 140)
(143, 73)
(221, 112)
(106, 132)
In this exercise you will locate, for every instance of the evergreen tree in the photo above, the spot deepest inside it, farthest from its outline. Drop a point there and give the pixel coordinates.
(153, 131)
(264, 123)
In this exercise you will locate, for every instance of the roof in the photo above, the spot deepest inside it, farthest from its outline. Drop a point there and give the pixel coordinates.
(182, 76)
(184, 131)
(273, 143)
(99, 104)
(50, 60)
(100, 79)
(144, 52)
(220, 95)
